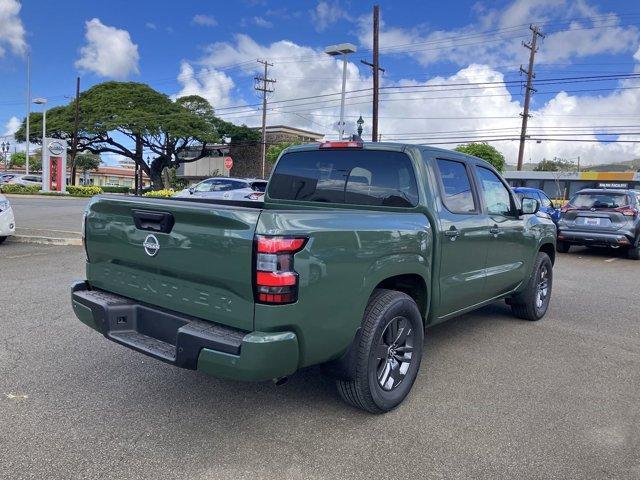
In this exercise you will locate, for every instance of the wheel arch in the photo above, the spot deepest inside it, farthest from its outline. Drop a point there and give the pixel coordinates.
(550, 250)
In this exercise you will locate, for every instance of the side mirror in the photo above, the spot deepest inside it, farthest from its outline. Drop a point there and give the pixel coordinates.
(191, 190)
(530, 206)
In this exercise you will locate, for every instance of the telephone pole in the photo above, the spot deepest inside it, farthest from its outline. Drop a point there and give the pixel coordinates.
(376, 69)
(262, 85)
(535, 33)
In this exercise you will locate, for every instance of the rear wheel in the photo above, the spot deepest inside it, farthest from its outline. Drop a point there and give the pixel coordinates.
(388, 354)
(634, 251)
(2, 239)
(532, 304)
(562, 247)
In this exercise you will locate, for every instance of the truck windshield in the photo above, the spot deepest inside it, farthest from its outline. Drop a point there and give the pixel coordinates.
(356, 177)
(600, 200)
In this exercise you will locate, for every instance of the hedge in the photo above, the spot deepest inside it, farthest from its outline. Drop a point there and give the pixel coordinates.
(81, 191)
(23, 189)
(108, 189)
(160, 193)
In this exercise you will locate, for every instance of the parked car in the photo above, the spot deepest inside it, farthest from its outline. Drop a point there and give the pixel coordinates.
(7, 220)
(26, 180)
(5, 177)
(356, 249)
(546, 205)
(226, 189)
(601, 217)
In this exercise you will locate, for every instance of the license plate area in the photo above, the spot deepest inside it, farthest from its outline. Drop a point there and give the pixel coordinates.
(592, 222)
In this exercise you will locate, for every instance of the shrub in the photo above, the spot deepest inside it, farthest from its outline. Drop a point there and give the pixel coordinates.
(80, 191)
(166, 193)
(108, 189)
(20, 189)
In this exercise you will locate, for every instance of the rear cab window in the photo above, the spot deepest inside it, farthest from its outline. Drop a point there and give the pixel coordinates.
(354, 177)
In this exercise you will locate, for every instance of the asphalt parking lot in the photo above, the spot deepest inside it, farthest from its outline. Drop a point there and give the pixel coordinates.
(48, 213)
(496, 397)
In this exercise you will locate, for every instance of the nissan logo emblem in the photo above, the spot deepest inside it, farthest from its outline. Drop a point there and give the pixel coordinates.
(151, 245)
(56, 148)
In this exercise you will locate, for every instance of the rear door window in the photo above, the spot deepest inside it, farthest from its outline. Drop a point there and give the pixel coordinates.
(355, 177)
(457, 195)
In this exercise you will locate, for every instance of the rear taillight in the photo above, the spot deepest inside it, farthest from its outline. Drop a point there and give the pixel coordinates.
(566, 208)
(627, 211)
(84, 234)
(276, 281)
(255, 196)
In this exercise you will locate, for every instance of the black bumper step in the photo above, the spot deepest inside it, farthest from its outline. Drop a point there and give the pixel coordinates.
(159, 333)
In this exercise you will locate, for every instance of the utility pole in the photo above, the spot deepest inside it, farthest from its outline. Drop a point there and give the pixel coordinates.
(74, 140)
(535, 33)
(262, 86)
(26, 157)
(376, 69)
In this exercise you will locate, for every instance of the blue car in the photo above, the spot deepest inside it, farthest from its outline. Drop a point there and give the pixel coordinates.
(546, 205)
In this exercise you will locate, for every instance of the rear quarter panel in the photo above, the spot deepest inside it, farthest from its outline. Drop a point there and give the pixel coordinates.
(348, 253)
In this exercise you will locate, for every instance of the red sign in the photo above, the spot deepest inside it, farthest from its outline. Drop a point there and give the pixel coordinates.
(228, 163)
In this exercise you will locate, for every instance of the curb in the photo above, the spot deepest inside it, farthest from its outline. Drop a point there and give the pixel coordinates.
(39, 240)
(45, 197)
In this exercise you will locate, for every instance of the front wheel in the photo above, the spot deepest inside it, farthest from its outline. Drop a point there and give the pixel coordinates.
(2, 239)
(533, 302)
(388, 354)
(562, 247)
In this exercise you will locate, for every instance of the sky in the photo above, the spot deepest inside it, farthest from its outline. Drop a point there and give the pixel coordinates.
(452, 70)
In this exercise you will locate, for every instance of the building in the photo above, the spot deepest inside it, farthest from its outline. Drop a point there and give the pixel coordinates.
(211, 165)
(563, 185)
(110, 177)
(284, 133)
(246, 158)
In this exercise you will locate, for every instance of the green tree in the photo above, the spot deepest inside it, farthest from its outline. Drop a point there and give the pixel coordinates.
(129, 118)
(485, 152)
(555, 165)
(274, 151)
(17, 160)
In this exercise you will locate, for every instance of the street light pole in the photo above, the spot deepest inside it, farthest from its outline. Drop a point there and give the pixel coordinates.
(46, 174)
(342, 50)
(26, 160)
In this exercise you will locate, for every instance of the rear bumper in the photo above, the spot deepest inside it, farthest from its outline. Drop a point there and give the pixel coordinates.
(184, 341)
(612, 239)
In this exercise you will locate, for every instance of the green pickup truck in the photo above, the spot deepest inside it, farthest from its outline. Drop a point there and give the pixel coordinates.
(355, 250)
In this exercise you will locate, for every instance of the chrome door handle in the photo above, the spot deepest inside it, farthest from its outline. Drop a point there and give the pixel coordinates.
(452, 233)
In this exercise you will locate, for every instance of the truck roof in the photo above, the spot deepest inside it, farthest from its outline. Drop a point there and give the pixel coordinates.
(391, 146)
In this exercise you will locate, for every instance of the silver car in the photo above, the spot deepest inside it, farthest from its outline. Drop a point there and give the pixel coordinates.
(224, 188)
(26, 180)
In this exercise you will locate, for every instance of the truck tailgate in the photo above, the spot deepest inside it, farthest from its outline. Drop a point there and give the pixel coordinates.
(193, 258)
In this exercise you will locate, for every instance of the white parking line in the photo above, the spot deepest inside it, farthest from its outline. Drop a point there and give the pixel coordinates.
(611, 259)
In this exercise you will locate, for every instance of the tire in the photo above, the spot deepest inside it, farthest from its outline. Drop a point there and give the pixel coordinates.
(634, 252)
(378, 358)
(2, 239)
(533, 302)
(562, 247)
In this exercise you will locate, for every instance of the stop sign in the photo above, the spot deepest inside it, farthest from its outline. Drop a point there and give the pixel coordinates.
(228, 163)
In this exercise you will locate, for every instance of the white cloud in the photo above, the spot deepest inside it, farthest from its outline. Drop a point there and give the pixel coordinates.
(151, 26)
(209, 83)
(109, 51)
(204, 20)
(12, 126)
(262, 22)
(326, 14)
(594, 33)
(12, 33)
